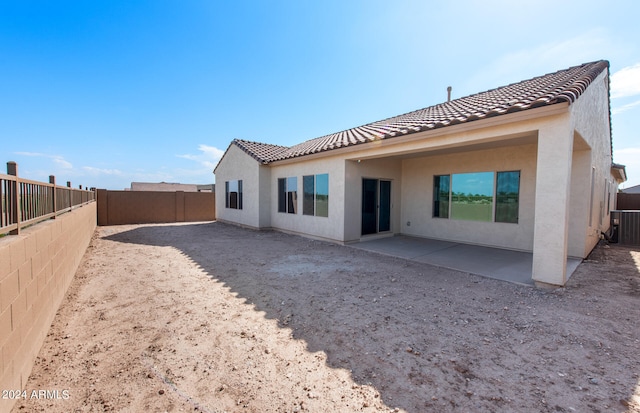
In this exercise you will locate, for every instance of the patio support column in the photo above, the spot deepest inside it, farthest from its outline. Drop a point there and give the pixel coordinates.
(553, 179)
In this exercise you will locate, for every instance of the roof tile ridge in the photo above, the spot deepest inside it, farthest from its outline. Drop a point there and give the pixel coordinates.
(243, 144)
(581, 81)
(594, 67)
(553, 87)
(259, 143)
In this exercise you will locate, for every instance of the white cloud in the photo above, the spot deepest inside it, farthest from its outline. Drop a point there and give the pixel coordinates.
(630, 158)
(30, 154)
(208, 158)
(545, 58)
(58, 160)
(212, 151)
(626, 82)
(623, 108)
(101, 171)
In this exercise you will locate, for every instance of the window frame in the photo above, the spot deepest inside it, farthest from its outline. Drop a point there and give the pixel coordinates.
(288, 195)
(229, 201)
(467, 205)
(438, 182)
(313, 203)
(498, 217)
(442, 208)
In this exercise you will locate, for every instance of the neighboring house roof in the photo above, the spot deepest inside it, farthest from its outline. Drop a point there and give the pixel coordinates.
(632, 190)
(558, 87)
(163, 187)
(206, 188)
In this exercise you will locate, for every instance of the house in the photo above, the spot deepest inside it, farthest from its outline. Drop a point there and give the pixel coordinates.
(631, 190)
(170, 187)
(526, 167)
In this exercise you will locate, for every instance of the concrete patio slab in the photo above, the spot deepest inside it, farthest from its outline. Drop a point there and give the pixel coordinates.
(506, 265)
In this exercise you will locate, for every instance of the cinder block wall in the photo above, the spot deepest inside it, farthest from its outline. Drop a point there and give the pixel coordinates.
(36, 267)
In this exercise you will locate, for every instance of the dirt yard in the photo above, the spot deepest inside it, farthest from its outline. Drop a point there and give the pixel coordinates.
(214, 318)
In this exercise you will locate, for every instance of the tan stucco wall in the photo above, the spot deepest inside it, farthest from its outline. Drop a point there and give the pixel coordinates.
(590, 118)
(238, 165)
(574, 146)
(417, 204)
(36, 267)
(264, 196)
(389, 169)
(578, 202)
(553, 183)
(329, 228)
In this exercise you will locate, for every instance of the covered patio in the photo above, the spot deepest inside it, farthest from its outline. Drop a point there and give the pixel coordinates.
(497, 263)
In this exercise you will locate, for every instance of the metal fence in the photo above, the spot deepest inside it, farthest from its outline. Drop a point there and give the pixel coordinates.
(24, 202)
(628, 201)
(626, 227)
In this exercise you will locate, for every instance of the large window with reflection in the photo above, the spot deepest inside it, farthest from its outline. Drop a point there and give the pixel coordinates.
(315, 199)
(288, 195)
(507, 196)
(233, 194)
(472, 196)
(441, 196)
(477, 196)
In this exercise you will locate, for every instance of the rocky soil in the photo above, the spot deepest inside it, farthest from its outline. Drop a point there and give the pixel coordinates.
(209, 317)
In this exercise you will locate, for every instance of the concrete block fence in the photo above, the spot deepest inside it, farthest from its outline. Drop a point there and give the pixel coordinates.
(36, 268)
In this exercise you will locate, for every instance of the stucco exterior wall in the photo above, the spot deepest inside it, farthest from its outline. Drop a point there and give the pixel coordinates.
(328, 228)
(579, 200)
(389, 169)
(264, 196)
(553, 183)
(238, 165)
(590, 119)
(417, 200)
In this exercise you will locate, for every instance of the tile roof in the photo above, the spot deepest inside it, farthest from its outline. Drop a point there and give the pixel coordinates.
(163, 187)
(561, 86)
(632, 190)
(262, 152)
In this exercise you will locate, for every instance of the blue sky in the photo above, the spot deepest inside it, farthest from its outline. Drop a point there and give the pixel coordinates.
(103, 93)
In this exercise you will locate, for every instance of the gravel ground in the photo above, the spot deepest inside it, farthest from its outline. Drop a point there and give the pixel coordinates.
(210, 317)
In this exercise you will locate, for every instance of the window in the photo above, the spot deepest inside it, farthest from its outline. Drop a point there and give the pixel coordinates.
(441, 196)
(233, 194)
(315, 199)
(609, 198)
(593, 182)
(477, 196)
(472, 196)
(605, 201)
(507, 196)
(322, 195)
(308, 195)
(288, 195)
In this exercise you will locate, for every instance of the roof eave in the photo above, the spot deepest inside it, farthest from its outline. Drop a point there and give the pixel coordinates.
(507, 118)
(619, 172)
